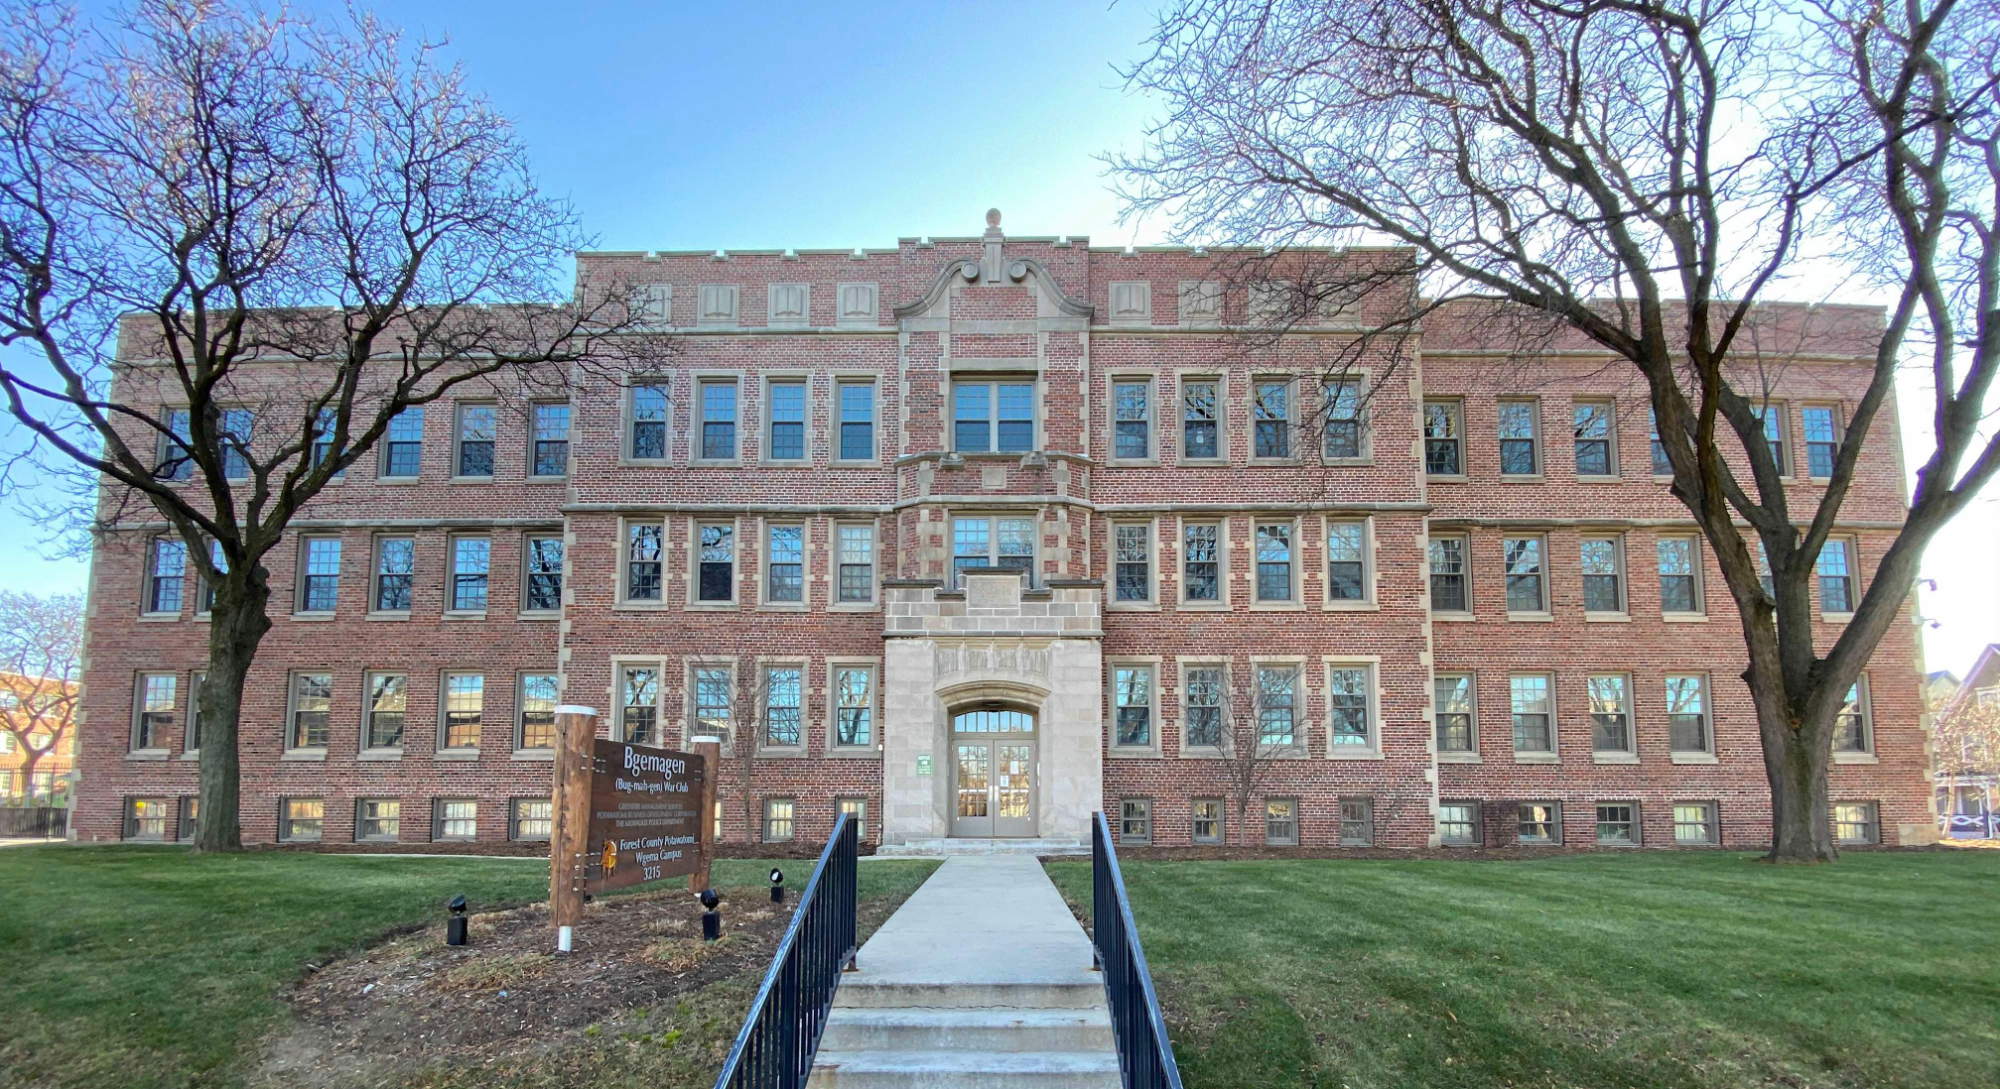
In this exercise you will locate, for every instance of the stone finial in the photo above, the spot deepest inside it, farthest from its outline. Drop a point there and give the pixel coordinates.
(993, 218)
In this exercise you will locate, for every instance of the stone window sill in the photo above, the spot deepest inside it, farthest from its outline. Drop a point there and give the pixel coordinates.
(1345, 753)
(1459, 758)
(462, 615)
(195, 755)
(1855, 758)
(787, 752)
(312, 618)
(470, 480)
(158, 618)
(1204, 606)
(1538, 617)
(853, 752)
(457, 755)
(387, 616)
(564, 479)
(1131, 607)
(1449, 478)
(1607, 618)
(1523, 478)
(398, 481)
(855, 607)
(1134, 752)
(308, 755)
(538, 615)
(1684, 618)
(640, 607)
(380, 754)
(1537, 758)
(1453, 618)
(712, 606)
(146, 754)
(1694, 758)
(534, 755)
(1598, 478)
(1352, 607)
(1277, 606)
(1614, 758)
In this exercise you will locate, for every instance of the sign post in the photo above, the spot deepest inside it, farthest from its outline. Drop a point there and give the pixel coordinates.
(710, 751)
(576, 728)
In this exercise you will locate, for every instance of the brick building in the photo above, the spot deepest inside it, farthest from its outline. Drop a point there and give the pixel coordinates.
(974, 536)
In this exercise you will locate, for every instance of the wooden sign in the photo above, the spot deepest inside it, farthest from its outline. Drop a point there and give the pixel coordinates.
(645, 815)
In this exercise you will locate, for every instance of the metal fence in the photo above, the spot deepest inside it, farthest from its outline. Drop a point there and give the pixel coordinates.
(1145, 1057)
(44, 821)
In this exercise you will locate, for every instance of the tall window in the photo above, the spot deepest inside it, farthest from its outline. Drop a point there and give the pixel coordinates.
(1610, 713)
(156, 710)
(464, 709)
(1679, 590)
(1347, 704)
(542, 566)
(1131, 419)
(395, 573)
(1687, 713)
(642, 562)
(1200, 405)
(237, 425)
(388, 703)
(1519, 438)
(1452, 698)
(854, 705)
(783, 686)
(778, 820)
(1822, 439)
(1591, 423)
(1836, 578)
(1201, 717)
(1764, 579)
(712, 701)
(167, 579)
(1132, 561)
(1448, 584)
(1357, 822)
(171, 462)
(1271, 418)
(1132, 699)
(992, 542)
(319, 577)
(857, 421)
(403, 444)
(477, 425)
(1135, 820)
(1617, 824)
(1444, 438)
(639, 706)
(785, 564)
(1603, 577)
(856, 808)
(1274, 561)
(457, 818)
(1526, 590)
(786, 440)
(1201, 561)
(471, 559)
(537, 711)
(718, 420)
(1850, 723)
(1528, 695)
(1347, 561)
(856, 560)
(649, 423)
(325, 424)
(1343, 419)
(993, 417)
(217, 558)
(717, 559)
(191, 736)
(1662, 465)
(1277, 706)
(304, 820)
(549, 454)
(312, 708)
(1694, 823)
(1773, 418)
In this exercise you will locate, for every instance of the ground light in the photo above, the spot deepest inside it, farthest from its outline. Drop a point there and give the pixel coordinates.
(711, 919)
(777, 885)
(454, 927)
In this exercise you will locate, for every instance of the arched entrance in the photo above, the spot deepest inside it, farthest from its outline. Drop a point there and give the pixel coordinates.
(992, 770)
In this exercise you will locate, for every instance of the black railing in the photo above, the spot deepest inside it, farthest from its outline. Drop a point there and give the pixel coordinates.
(775, 1048)
(1145, 1058)
(46, 821)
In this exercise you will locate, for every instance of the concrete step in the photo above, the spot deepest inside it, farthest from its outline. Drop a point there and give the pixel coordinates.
(947, 848)
(968, 1069)
(969, 1029)
(1083, 993)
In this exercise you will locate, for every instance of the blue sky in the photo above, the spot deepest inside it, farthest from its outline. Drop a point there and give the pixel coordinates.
(679, 126)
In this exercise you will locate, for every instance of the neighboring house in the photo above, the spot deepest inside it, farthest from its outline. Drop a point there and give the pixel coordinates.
(1965, 752)
(48, 784)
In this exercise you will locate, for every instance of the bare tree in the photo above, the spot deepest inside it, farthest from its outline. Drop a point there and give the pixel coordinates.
(1262, 727)
(41, 657)
(1965, 752)
(1643, 175)
(234, 248)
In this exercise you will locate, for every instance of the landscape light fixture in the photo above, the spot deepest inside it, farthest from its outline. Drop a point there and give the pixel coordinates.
(454, 927)
(711, 919)
(777, 885)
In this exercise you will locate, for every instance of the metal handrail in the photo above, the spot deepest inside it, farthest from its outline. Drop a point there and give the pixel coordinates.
(774, 1049)
(1145, 1056)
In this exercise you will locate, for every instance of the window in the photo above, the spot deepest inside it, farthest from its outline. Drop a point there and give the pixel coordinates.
(1277, 706)
(146, 818)
(403, 444)
(642, 562)
(1528, 698)
(1822, 434)
(456, 818)
(1520, 438)
(237, 424)
(1540, 824)
(1201, 561)
(1764, 579)
(1131, 419)
(786, 438)
(1602, 562)
(319, 574)
(1444, 438)
(1618, 824)
(992, 542)
(1201, 695)
(191, 736)
(535, 714)
(325, 424)
(302, 820)
(1835, 574)
(377, 819)
(1680, 588)
(716, 546)
(156, 710)
(1200, 416)
(778, 820)
(477, 426)
(1852, 729)
(471, 557)
(783, 687)
(712, 702)
(993, 417)
(1610, 712)
(1347, 691)
(1271, 418)
(548, 455)
(718, 419)
(1855, 824)
(1347, 561)
(1132, 705)
(639, 706)
(1132, 561)
(1687, 713)
(1694, 823)
(1449, 591)
(857, 421)
(1274, 561)
(1206, 820)
(1773, 419)
(1344, 423)
(388, 703)
(1458, 824)
(312, 708)
(395, 573)
(1357, 822)
(856, 808)
(464, 707)
(533, 819)
(1281, 822)
(1526, 589)
(542, 572)
(854, 706)
(1135, 821)
(167, 575)
(1591, 423)
(190, 817)
(171, 460)
(856, 561)
(1662, 464)
(648, 441)
(1452, 701)
(784, 564)
(220, 561)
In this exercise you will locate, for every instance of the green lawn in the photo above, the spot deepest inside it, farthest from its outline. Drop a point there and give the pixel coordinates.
(1654, 970)
(153, 967)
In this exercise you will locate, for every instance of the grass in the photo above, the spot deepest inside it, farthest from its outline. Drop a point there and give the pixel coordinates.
(152, 967)
(1658, 971)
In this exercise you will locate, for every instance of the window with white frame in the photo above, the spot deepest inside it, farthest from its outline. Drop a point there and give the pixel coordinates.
(856, 808)
(1347, 699)
(189, 817)
(1132, 561)
(1277, 706)
(785, 427)
(541, 573)
(535, 711)
(1271, 418)
(311, 711)
(1453, 708)
(1347, 561)
(1680, 575)
(302, 820)
(1856, 824)
(1852, 726)
(778, 820)
(648, 438)
(1201, 419)
(1821, 424)
(319, 574)
(532, 820)
(644, 565)
(639, 705)
(171, 459)
(477, 426)
(715, 559)
(1205, 820)
(1835, 573)
(1592, 425)
(166, 575)
(992, 542)
(784, 706)
(1540, 824)
(1772, 416)
(855, 559)
(464, 710)
(1687, 713)
(471, 560)
(993, 416)
(1357, 822)
(1202, 692)
(1274, 561)
(395, 573)
(1458, 824)
(1618, 824)
(548, 448)
(1610, 712)
(785, 564)
(1444, 438)
(456, 819)
(1520, 437)
(713, 701)
(146, 819)
(854, 706)
(1450, 588)
(377, 819)
(1527, 586)
(237, 427)
(1533, 708)
(155, 714)
(403, 445)
(1662, 464)
(1695, 824)
(1345, 428)
(388, 707)
(191, 733)
(1132, 418)
(1201, 561)
(1602, 560)
(1132, 705)
(717, 401)
(856, 404)
(1281, 822)
(1135, 821)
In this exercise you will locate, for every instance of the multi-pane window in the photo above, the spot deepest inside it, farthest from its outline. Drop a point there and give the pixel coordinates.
(1201, 717)
(146, 818)
(778, 820)
(388, 705)
(1610, 712)
(1591, 423)
(1200, 419)
(1856, 824)
(648, 440)
(1518, 438)
(1206, 817)
(1281, 822)
(1528, 698)
(1680, 590)
(1662, 464)
(325, 425)
(1452, 701)
(643, 580)
(1822, 437)
(857, 421)
(205, 596)
(1132, 561)
(786, 427)
(1131, 419)
(471, 559)
(191, 735)
(312, 710)
(1444, 438)
(303, 820)
(456, 818)
(477, 426)
(1277, 706)
(639, 705)
(853, 705)
(536, 712)
(718, 420)
(1132, 704)
(167, 575)
(1764, 579)
(1772, 417)
(1271, 418)
(395, 573)
(1835, 572)
(855, 559)
(542, 570)
(1694, 823)
(1458, 824)
(1357, 822)
(319, 575)
(1603, 577)
(1342, 438)
(171, 461)
(1274, 561)
(464, 708)
(156, 710)
(716, 560)
(377, 818)
(1617, 824)
(1347, 561)
(1201, 561)
(403, 444)
(1448, 584)
(993, 417)
(1135, 821)
(856, 808)
(712, 701)
(237, 424)
(1540, 823)
(1347, 706)
(533, 819)
(1526, 589)
(784, 688)
(992, 542)
(1850, 723)
(785, 563)
(190, 818)
(549, 453)
(1687, 712)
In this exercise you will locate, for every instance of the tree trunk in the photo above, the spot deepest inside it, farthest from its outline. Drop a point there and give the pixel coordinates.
(1795, 760)
(237, 624)
(29, 758)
